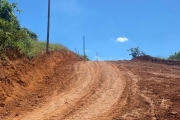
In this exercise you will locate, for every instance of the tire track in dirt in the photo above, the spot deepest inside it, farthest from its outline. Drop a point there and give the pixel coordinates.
(98, 87)
(135, 113)
(104, 97)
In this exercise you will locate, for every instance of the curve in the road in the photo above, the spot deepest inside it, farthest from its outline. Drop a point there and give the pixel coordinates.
(98, 87)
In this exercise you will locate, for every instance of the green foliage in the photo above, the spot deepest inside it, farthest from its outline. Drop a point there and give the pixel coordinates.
(176, 56)
(11, 35)
(86, 57)
(31, 34)
(39, 47)
(7, 12)
(135, 52)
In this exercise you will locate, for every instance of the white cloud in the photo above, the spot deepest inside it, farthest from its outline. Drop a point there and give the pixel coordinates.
(122, 39)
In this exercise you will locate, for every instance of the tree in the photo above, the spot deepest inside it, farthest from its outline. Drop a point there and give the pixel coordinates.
(7, 12)
(135, 52)
(31, 34)
(12, 36)
(176, 56)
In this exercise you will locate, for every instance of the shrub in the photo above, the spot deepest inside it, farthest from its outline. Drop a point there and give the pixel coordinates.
(176, 56)
(135, 52)
(12, 36)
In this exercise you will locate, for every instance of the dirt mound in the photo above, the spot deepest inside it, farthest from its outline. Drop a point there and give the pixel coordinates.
(21, 76)
(148, 58)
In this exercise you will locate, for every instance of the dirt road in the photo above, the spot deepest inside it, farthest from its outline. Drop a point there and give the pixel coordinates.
(61, 86)
(93, 94)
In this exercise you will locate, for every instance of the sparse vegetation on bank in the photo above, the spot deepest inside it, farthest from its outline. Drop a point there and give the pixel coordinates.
(15, 38)
(39, 47)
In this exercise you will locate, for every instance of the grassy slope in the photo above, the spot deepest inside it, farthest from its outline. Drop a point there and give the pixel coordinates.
(40, 47)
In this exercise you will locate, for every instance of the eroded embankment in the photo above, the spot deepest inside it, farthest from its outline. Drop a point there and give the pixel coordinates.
(22, 79)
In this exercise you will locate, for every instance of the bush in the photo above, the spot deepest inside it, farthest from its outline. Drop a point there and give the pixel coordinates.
(15, 38)
(176, 56)
(7, 12)
(12, 36)
(31, 34)
(135, 52)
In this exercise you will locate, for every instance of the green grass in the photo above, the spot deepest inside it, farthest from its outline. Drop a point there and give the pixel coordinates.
(38, 47)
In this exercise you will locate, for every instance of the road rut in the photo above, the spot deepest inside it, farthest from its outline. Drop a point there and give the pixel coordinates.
(96, 89)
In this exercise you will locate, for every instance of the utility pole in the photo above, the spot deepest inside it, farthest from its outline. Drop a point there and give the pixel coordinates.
(75, 50)
(84, 47)
(97, 56)
(48, 27)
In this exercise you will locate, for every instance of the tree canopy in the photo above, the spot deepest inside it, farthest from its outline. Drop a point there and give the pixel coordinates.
(12, 36)
(7, 12)
(31, 34)
(135, 52)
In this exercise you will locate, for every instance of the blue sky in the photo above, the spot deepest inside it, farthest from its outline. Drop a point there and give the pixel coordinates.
(110, 27)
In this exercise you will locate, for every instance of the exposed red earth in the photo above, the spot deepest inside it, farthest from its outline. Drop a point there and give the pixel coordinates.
(61, 86)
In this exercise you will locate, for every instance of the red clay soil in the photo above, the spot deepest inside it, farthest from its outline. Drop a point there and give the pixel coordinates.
(20, 78)
(157, 90)
(61, 86)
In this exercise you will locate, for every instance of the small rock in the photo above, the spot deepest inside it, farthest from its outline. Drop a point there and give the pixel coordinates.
(18, 105)
(39, 96)
(2, 104)
(174, 113)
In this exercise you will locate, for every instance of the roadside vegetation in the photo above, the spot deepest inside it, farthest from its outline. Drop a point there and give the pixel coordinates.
(136, 52)
(15, 38)
(175, 56)
(40, 47)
